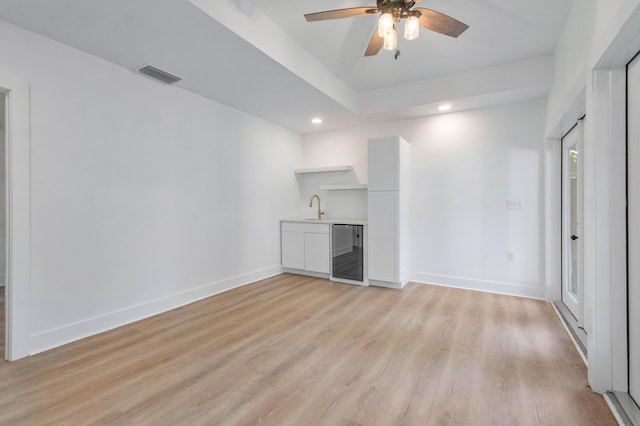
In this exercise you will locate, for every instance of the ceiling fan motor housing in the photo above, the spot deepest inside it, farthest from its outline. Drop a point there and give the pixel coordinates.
(398, 8)
(397, 3)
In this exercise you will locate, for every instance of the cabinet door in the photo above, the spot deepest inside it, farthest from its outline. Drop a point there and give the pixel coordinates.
(383, 235)
(293, 250)
(383, 213)
(384, 162)
(316, 252)
(383, 262)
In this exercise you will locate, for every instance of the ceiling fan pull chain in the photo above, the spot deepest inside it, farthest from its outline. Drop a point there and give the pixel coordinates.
(397, 54)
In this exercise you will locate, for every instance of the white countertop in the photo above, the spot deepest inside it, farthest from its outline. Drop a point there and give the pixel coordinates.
(328, 221)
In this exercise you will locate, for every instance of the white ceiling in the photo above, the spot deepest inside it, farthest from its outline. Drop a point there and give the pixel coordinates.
(499, 31)
(262, 57)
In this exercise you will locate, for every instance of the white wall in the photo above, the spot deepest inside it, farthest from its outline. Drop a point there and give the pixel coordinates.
(350, 204)
(570, 61)
(464, 168)
(589, 31)
(3, 215)
(144, 196)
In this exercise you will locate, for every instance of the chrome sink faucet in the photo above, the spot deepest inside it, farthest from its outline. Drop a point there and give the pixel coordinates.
(320, 212)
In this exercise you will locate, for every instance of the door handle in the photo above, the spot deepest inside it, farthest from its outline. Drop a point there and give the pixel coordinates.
(574, 237)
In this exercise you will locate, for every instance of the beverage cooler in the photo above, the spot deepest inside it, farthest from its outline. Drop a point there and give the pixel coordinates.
(347, 253)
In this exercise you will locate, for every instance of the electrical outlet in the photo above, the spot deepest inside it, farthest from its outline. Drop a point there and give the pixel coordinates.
(511, 256)
(514, 204)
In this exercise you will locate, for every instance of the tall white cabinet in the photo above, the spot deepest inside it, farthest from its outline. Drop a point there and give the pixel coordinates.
(388, 211)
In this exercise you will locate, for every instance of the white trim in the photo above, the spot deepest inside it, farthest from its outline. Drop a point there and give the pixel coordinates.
(613, 408)
(388, 284)
(605, 244)
(630, 344)
(553, 202)
(346, 281)
(553, 265)
(60, 336)
(323, 275)
(18, 154)
(528, 291)
(597, 242)
(570, 334)
(618, 229)
(580, 219)
(575, 110)
(623, 401)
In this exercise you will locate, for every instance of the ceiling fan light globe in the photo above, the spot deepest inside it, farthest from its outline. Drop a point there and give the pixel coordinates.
(411, 28)
(385, 24)
(391, 40)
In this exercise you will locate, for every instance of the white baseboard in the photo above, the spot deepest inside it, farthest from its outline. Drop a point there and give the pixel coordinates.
(50, 339)
(306, 273)
(387, 284)
(528, 291)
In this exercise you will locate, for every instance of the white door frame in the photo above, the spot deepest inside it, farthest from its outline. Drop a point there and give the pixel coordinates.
(633, 233)
(605, 254)
(18, 199)
(553, 196)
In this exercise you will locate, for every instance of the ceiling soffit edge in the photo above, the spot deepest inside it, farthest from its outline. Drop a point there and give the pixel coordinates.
(252, 25)
(535, 74)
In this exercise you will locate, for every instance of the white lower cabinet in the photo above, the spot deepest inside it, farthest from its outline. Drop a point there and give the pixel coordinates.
(316, 252)
(293, 250)
(383, 231)
(382, 258)
(306, 247)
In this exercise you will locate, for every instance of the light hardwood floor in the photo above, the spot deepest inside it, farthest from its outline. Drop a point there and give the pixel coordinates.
(293, 350)
(2, 327)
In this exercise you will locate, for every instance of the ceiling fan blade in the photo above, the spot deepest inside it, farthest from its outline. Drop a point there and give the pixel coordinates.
(440, 23)
(341, 13)
(375, 44)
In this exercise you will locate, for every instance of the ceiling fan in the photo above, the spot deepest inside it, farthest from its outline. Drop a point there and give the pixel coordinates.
(391, 13)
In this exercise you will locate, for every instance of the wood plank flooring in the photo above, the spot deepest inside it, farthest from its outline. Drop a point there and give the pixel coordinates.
(2, 323)
(293, 350)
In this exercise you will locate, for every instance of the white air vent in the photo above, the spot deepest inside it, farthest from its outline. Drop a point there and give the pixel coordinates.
(163, 76)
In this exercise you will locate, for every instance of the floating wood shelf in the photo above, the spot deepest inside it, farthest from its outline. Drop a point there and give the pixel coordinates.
(324, 169)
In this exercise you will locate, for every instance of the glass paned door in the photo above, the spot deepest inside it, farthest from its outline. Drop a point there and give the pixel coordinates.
(571, 212)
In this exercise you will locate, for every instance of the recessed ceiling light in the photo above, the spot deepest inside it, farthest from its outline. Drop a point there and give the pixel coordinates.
(444, 107)
(316, 120)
